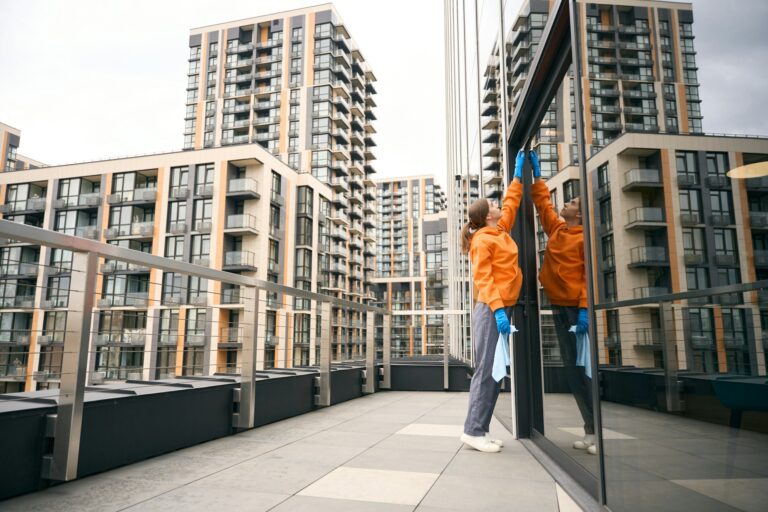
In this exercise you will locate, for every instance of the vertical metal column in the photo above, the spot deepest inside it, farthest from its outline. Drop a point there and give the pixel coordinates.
(245, 418)
(386, 323)
(370, 353)
(446, 355)
(323, 398)
(62, 464)
(587, 224)
(669, 352)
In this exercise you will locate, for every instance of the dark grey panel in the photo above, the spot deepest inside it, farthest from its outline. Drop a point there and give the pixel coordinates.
(233, 33)
(641, 13)
(592, 10)
(14, 139)
(664, 14)
(433, 227)
(297, 21)
(308, 126)
(323, 17)
(539, 6)
(276, 25)
(213, 37)
(685, 16)
(195, 40)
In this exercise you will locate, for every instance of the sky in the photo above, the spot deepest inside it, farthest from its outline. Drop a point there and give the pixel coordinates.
(87, 79)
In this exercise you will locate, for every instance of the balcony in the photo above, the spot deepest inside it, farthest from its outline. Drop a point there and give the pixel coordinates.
(727, 260)
(143, 229)
(231, 296)
(720, 219)
(702, 340)
(241, 224)
(690, 218)
(244, 188)
(758, 220)
(36, 204)
(141, 195)
(717, 181)
(761, 258)
(88, 200)
(130, 337)
(240, 261)
(202, 225)
(694, 258)
(644, 292)
(645, 218)
(648, 256)
(18, 302)
(19, 270)
(15, 336)
(642, 179)
(648, 338)
(90, 232)
(13, 374)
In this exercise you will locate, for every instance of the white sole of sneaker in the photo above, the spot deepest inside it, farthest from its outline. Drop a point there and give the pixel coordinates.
(480, 444)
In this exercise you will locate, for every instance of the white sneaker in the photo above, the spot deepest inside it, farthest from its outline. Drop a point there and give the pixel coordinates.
(592, 449)
(497, 442)
(480, 443)
(584, 444)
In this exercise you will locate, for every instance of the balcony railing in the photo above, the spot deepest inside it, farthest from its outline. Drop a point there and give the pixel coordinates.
(243, 187)
(241, 223)
(642, 178)
(648, 256)
(645, 216)
(644, 292)
(648, 337)
(239, 259)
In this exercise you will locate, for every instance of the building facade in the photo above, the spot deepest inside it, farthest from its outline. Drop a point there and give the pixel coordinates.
(411, 262)
(640, 76)
(276, 182)
(10, 158)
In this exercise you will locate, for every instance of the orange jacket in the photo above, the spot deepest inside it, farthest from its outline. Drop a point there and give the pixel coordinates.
(494, 256)
(562, 274)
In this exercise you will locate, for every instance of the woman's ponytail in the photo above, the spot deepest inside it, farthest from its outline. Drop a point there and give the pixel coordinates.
(477, 213)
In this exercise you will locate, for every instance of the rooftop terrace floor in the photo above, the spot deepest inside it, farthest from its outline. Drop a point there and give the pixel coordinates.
(390, 451)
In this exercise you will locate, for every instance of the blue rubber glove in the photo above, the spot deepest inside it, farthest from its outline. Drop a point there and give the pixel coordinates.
(535, 164)
(502, 322)
(582, 324)
(519, 163)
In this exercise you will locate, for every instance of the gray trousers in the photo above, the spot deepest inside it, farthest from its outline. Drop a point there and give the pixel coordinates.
(581, 386)
(483, 391)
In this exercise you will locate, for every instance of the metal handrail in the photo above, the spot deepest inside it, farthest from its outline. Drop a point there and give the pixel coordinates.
(695, 294)
(39, 236)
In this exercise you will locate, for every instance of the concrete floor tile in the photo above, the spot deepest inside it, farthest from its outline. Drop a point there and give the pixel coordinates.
(421, 461)
(432, 429)
(564, 501)
(512, 465)
(376, 485)
(203, 498)
(315, 504)
(444, 444)
(482, 493)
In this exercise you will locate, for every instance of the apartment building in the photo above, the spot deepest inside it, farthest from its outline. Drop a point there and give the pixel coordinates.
(412, 262)
(640, 76)
(10, 158)
(276, 182)
(667, 219)
(237, 209)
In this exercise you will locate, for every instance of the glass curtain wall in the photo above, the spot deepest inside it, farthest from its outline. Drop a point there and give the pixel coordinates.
(674, 379)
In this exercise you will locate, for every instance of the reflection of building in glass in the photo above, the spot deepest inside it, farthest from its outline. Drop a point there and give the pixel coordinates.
(296, 207)
(667, 219)
(412, 261)
(642, 78)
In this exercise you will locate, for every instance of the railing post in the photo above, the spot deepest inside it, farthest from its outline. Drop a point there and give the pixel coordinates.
(370, 353)
(323, 398)
(386, 323)
(446, 354)
(62, 464)
(669, 351)
(245, 418)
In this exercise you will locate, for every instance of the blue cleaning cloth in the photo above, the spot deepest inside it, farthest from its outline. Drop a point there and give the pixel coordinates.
(582, 351)
(501, 356)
